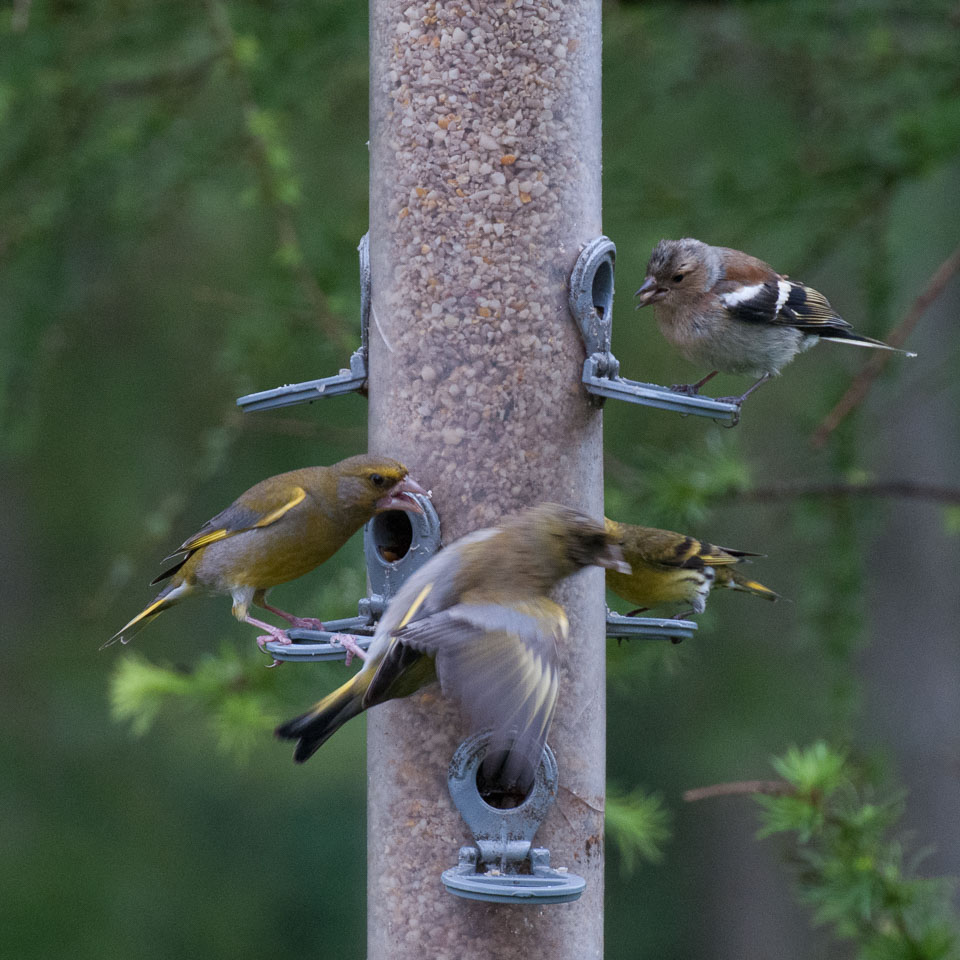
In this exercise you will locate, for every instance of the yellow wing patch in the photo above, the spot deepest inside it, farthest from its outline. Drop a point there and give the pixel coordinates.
(298, 494)
(415, 606)
(272, 517)
(212, 537)
(718, 559)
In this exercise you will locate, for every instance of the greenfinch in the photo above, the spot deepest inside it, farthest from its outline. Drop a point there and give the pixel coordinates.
(670, 568)
(278, 530)
(727, 311)
(477, 616)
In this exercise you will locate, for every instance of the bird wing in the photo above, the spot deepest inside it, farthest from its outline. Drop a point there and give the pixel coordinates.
(676, 550)
(241, 516)
(500, 662)
(755, 296)
(429, 590)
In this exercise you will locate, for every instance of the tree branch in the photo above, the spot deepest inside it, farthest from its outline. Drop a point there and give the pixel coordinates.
(739, 787)
(858, 390)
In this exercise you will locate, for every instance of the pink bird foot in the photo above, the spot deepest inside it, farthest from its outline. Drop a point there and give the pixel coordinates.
(349, 644)
(743, 396)
(297, 623)
(273, 634)
(306, 623)
(692, 389)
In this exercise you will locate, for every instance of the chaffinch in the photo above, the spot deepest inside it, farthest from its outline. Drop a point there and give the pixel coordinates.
(276, 531)
(477, 616)
(670, 568)
(730, 312)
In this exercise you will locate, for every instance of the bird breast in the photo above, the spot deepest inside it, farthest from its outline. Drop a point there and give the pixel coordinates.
(651, 585)
(730, 345)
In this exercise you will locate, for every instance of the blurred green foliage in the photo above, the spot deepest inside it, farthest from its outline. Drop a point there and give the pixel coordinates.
(182, 188)
(638, 824)
(850, 868)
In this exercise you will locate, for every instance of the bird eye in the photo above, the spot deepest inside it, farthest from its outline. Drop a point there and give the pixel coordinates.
(677, 277)
(377, 479)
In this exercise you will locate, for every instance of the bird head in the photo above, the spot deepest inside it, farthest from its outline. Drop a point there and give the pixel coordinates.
(374, 484)
(567, 540)
(679, 271)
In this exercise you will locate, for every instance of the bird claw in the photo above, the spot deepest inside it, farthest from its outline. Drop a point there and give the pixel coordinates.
(278, 637)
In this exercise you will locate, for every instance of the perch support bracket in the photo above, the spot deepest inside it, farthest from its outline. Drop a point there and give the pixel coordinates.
(348, 380)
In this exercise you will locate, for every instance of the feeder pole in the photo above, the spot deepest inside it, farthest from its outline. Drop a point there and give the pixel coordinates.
(485, 183)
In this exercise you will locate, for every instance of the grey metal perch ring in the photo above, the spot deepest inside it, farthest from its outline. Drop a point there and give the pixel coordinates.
(620, 627)
(591, 303)
(490, 870)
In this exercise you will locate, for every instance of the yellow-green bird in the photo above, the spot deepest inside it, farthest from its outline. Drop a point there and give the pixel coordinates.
(477, 616)
(278, 530)
(671, 568)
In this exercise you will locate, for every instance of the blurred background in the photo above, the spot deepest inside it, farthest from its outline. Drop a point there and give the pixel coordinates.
(182, 189)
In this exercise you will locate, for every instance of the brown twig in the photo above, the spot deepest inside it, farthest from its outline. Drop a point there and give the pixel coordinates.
(907, 489)
(777, 788)
(862, 383)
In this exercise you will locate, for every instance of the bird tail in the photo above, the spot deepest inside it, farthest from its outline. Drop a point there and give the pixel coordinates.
(734, 580)
(171, 595)
(313, 728)
(858, 340)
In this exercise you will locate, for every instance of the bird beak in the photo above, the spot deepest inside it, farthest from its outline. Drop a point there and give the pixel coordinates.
(649, 293)
(398, 497)
(612, 559)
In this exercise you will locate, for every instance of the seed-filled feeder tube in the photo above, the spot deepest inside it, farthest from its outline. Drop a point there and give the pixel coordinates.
(485, 183)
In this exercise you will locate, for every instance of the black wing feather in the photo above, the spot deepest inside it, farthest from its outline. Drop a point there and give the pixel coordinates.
(760, 308)
(804, 308)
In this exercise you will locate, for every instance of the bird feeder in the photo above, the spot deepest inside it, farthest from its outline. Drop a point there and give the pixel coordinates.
(484, 202)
